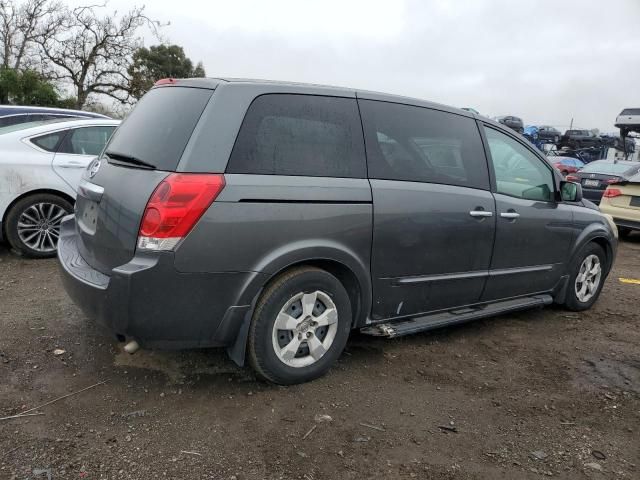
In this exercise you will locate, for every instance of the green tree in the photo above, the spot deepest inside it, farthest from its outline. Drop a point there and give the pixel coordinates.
(160, 61)
(26, 87)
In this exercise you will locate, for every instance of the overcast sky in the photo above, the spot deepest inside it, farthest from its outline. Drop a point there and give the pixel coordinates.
(544, 60)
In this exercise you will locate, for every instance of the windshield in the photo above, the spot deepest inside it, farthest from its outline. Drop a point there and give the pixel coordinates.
(607, 167)
(156, 132)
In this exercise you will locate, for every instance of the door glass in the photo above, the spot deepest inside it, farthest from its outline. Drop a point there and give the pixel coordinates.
(418, 144)
(519, 173)
(86, 141)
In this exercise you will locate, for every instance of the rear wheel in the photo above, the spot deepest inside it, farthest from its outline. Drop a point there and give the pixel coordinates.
(300, 326)
(33, 224)
(586, 278)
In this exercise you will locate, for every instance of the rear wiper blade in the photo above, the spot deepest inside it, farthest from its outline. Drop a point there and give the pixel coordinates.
(121, 158)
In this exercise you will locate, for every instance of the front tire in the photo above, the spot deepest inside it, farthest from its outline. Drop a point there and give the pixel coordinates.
(33, 224)
(624, 232)
(587, 275)
(300, 326)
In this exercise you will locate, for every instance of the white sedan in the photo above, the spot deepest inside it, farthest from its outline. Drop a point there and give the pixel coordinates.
(40, 169)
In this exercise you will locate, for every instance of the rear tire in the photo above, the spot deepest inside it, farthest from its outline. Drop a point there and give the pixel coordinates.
(586, 278)
(33, 224)
(313, 311)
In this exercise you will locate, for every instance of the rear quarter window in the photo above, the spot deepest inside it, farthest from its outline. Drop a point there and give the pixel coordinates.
(50, 141)
(306, 135)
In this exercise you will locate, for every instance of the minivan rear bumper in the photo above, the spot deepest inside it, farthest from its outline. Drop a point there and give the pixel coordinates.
(148, 300)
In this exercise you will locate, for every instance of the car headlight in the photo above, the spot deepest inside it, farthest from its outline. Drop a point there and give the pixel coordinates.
(612, 224)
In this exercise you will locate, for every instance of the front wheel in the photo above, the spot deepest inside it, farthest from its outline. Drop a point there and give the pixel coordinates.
(300, 326)
(33, 224)
(587, 274)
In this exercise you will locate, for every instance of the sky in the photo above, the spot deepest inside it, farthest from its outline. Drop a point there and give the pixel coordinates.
(547, 61)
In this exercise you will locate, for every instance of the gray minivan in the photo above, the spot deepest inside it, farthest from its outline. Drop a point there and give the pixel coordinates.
(274, 218)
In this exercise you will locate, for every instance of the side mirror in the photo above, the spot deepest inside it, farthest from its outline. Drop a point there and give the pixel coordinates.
(570, 191)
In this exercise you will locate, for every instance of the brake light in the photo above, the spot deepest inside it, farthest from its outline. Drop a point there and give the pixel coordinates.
(611, 181)
(175, 206)
(612, 192)
(572, 178)
(166, 81)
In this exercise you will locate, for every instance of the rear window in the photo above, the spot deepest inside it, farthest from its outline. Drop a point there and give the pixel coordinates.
(307, 135)
(158, 129)
(609, 167)
(631, 111)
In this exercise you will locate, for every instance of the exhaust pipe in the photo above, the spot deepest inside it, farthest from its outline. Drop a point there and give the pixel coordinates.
(131, 347)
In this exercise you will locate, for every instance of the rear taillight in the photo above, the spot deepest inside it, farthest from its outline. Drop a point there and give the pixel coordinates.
(611, 181)
(175, 206)
(612, 192)
(572, 178)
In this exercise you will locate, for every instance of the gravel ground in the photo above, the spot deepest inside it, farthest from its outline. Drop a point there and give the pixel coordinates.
(529, 395)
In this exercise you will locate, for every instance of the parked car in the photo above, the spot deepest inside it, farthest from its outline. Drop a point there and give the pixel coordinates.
(622, 202)
(13, 114)
(246, 214)
(549, 133)
(596, 176)
(567, 165)
(40, 168)
(629, 119)
(580, 139)
(514, 123)
(615, 141)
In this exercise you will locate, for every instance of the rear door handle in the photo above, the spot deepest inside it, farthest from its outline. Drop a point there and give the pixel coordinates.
(509, 215)
(72, 164)
(480, 213)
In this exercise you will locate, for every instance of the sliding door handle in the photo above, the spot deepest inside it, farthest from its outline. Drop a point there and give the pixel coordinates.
(480, 213)
(510, 215)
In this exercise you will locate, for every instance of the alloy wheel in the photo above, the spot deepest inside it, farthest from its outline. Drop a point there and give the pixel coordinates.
(39, 226)
(305, 329)
(588, 279)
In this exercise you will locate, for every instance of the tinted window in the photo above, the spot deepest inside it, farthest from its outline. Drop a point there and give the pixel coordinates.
(631, 111)
(300, 135)
(86, 141)
(158, 129)
(519, 173)
(50, 141)
(423, 145)
(13, 120)
(609, 167)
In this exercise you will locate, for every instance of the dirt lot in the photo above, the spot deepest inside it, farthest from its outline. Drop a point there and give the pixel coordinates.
(542, 393)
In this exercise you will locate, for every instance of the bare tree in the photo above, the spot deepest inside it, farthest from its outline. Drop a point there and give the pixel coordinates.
(21, 25)
(92, 51)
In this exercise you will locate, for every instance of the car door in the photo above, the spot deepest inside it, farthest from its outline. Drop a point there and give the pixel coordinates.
(533, 229)
(433, 211)
(79, 146)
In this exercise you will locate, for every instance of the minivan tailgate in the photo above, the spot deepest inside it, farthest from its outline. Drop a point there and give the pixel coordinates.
(108, 217)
